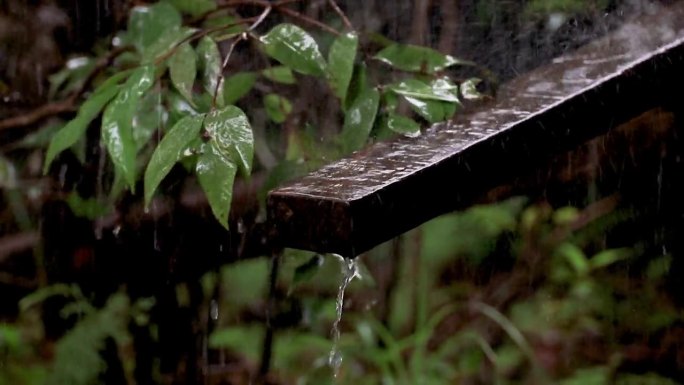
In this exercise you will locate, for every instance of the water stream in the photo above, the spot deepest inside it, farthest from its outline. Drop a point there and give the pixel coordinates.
(350, 270)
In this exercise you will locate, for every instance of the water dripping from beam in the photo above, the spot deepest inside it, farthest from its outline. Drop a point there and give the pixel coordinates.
(350, 270)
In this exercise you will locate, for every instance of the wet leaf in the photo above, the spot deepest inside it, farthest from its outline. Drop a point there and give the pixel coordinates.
(169, 151)
(414, 88)
(147, 24)
(359, 119)
(210, 64)
(403, 125)
(341, 63)
(358, 84)
(277, 107)
(76, 128)
(279, 74)
(307, 270)
(415, 58)
(182, 69)
(193, 7)
(432, 110)
(295, 48)
(165, 44)
(230, 129)
(237, 86)
(469, 89)
(117, 133)
(148, 119)
(216, 174)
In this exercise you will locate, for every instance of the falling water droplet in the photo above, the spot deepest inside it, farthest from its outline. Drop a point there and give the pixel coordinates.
(116, 231)
(350, 270)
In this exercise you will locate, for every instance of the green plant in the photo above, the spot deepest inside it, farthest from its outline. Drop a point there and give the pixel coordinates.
(168, 78)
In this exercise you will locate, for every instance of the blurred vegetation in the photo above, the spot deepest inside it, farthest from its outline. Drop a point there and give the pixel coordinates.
(120, 262)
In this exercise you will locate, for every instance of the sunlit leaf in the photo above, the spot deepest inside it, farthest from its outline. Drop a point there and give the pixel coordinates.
(230, 129)
(279, 74)
(76, 128)
(147, 24)
(415, 58)
(403, 125)
(341, 63)
(237, 86)
(414, 88)
(169, 151)
(216, 174)
(182, 69)
(359, 119)
(166, 43)
(210, 65)
(194, 7)
(277, 107)
(432, 110)
(295, 48)
(117, 120)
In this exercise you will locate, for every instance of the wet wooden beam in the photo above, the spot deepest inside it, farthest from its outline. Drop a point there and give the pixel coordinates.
(386, 189)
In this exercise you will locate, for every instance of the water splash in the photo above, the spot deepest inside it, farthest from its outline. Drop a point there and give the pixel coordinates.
(350, 270)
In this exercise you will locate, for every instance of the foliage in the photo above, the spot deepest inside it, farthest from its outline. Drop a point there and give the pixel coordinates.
(182, 68)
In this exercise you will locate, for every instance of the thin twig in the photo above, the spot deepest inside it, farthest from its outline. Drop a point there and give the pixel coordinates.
(305, 19)
(341, 14)
(243, 36)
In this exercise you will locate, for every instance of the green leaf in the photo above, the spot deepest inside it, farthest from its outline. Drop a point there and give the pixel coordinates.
(608, 257)
(216, 174)
(575, 257)
(210, 64)
(76, 128)
(403, 125)
(437, 90)
(358, 84)
(117, 133)
(469, 89)
(169, 151)
(279, 74)
(148, 119)
(231, 130)
(148, 23)
(237, 86)
(359, 119)
(415, 58)
(432, 110)
(295, 48)
(89, 208)
(194, 7)
(182, 69)
(165, 44)
(341, 63)
(277, 107)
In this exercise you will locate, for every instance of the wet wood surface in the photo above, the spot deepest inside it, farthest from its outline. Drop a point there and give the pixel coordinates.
(386, 189)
